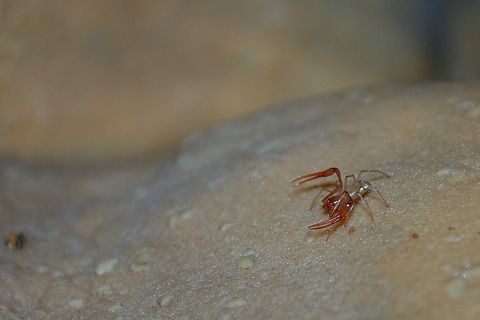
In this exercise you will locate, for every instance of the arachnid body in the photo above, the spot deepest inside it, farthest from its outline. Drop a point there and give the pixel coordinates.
(343, 198)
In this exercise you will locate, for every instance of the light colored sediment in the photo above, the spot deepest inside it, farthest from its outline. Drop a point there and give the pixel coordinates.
(218, 232)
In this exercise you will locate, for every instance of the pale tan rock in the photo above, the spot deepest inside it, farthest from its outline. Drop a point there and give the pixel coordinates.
(181, 229)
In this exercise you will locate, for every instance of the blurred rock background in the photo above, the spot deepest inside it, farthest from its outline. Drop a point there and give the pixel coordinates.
(89, 80)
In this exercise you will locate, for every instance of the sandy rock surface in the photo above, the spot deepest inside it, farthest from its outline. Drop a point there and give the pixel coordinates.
(219, 232)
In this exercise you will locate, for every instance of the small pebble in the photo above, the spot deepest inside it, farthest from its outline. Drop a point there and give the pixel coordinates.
(140, 262)
(164, 301)
(453, 174)
(248, 252)
(224, 227)
(105, 289)
(176, 218)
(76, 304)
(115, 308)
(106, 266)
(236, 303)
(246, 263)
(451, 238)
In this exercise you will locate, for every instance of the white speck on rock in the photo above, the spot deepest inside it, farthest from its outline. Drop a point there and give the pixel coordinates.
(246, 263)
(236, 303)
(105, 289)
(451, 238)
(226, 226)
(115, 308)
(140, 262)
(164, 301)
(248, 252)
(106, 266)
(176, 218)
(453, 174)
(76, 304)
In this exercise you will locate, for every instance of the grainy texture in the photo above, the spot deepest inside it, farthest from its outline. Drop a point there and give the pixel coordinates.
(218, 232)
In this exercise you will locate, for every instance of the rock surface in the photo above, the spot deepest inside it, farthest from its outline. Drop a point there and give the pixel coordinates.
(219, 232)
